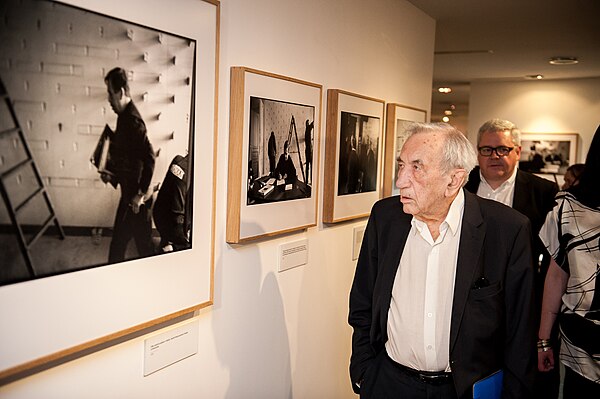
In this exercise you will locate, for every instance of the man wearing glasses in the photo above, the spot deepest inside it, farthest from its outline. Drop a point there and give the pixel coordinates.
(499, 179)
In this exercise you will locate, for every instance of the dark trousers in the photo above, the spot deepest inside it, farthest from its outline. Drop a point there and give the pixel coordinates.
(130, 225)
(576, 386)
(383, 380)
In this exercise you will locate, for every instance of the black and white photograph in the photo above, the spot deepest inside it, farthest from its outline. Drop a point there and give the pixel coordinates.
(280, 151)
(398, 118)
(353, 155)
(547, 153)
(359, 149)
(273, 162)
(97, 127)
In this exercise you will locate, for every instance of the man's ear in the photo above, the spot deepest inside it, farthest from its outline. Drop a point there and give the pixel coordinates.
(457, 177)
(518, 151)
(121, 92)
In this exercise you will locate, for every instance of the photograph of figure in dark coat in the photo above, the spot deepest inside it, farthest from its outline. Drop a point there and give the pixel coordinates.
(308, 148)
(359, 145)
(272, 153)
(172, 208)
(113, 116)
(133, 161)
(285, 166)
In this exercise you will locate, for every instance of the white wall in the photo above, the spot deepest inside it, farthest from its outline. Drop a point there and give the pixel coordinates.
(270, 334)
(556, 106)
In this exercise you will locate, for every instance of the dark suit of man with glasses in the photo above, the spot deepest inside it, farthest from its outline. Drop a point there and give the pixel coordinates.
(499, 179)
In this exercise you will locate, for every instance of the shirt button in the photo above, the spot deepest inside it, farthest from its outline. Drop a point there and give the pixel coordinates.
(429, 347)
(429, 314)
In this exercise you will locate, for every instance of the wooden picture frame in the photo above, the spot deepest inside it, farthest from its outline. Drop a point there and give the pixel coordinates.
(398, 117)
(270, 190)
(55, 319)
(548, 154)
(352, 174)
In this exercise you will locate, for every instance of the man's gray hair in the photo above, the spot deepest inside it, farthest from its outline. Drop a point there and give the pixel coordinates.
(458, 152)
(500, 125)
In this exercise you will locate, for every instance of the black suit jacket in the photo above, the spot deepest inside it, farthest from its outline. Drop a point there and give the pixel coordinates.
(491, 327)
(534, 198)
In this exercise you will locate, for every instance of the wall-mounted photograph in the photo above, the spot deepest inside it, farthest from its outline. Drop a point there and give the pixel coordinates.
(280, 151)
(353, 155)
(105, 107)
(398, 118)
(273, 154)
(359, 149)
(548, 154)
(85, 81)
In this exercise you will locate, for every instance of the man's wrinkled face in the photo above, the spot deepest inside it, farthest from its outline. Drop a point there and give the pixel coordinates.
(421, 181)
(495, 168)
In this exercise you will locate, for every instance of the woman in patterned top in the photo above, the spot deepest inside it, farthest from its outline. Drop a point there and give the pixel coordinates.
(572, 235)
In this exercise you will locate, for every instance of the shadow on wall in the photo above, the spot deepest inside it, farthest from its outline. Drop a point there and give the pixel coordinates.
(249, 328)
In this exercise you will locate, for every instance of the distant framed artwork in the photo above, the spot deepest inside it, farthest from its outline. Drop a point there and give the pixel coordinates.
(398, 118)
(273, 154)
(548, 154)
(77, 299)
(353, 155)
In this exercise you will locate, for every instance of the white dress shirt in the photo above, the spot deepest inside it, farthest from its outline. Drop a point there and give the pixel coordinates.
(421, 306)
(504, 193)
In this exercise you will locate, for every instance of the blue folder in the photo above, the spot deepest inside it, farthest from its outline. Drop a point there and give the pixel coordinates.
(489, 387)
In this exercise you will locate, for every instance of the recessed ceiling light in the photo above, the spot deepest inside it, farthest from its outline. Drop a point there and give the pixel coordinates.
(448, 112)
(538, 76)
(446, 119)
(563, 61)
(445, 90)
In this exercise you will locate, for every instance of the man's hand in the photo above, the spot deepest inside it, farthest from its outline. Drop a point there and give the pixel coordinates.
(136, 202)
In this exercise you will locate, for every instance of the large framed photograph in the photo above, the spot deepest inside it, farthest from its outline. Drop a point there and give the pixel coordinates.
(273, 154)
(107, 160)
(353, 155)
(548, 154)
(398, 118)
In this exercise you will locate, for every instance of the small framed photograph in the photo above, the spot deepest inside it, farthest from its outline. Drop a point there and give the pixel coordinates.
(398, 118)
(353, 155)
(548, 154)
(273, 154)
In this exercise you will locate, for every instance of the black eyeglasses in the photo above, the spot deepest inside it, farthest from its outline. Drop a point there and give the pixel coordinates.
(501, 151)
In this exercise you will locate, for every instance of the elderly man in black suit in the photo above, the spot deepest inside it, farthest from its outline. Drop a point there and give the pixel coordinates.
(498, 178)
(442, 294)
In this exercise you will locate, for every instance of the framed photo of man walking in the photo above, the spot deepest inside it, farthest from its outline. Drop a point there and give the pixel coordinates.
(142, 80)
(353, 155)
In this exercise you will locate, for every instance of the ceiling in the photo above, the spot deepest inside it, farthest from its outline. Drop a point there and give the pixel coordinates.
(506, 40)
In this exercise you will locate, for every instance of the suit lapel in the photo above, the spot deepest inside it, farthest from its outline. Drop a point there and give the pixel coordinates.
(471, 243)
(521, 201)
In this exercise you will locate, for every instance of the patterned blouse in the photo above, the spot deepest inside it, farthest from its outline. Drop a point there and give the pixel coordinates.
(571, 234)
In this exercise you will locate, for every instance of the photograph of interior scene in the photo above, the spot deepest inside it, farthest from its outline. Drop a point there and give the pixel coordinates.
(280, 151)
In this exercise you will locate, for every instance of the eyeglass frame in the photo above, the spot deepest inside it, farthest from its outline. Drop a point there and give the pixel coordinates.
(495, 150)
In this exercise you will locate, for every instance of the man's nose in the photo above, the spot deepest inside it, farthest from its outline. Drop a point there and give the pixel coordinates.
(402, 179)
